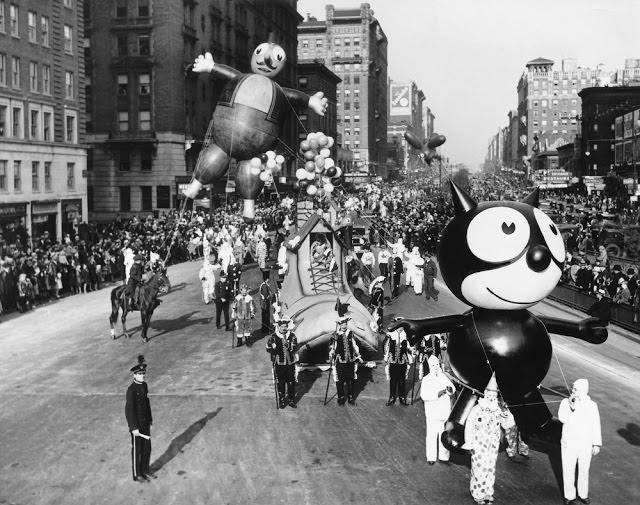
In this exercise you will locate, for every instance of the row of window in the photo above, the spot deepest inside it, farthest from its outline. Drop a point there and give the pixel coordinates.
(12, 22)
(347, 67)
(554, 103)
(39, 122)
(563, 122)
(337, 41)
(163, 198)
(41, 176)
(553, 132)
(39, 76)
(138, 45)
(141, 8)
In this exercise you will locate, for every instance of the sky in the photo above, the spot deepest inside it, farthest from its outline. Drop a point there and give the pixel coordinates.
(468, 55)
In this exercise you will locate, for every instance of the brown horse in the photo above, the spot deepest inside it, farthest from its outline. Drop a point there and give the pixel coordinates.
(157, 284)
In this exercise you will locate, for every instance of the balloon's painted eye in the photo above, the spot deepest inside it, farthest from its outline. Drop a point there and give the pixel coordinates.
(278, 53)
(259, 50)
(498, 234)
(551, 234)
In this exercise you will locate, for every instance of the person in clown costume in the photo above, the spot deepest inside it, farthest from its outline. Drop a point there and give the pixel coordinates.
(249, 114)
(482, 434)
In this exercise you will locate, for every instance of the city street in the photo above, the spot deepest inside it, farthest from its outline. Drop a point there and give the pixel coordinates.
(217, 437)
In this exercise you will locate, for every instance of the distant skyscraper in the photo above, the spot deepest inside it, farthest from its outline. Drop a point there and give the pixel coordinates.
(351, 42)
(42, 161)
(548, 104)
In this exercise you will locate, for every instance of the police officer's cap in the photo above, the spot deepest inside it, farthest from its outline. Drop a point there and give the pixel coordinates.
(138, 257)
(141, 366)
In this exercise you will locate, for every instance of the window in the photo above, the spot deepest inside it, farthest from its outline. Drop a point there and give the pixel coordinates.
(146, 161)
(123, 121)
(124, 161)
(33, 76)
(4, 110)
(47, 126)
(356, 67)
(2, 16)
(356, 118)
(146, 197)
(122, 46)
(3, 70)
(15, 71)
(337, 42)
(34, 124)
(13, 20)
(68, 85)
(123, 84)
(44, 30)
(3, 175)
(144, 45)
(144, 120)
(17, 175)
(318, 42)
(121, 8)
(305, 43)
(125, 198)
(144, 84)
(143, 8)
(70, 129)
(16, 113)
(35, 176)
(163, 197)
(68, 39)
(31, 26)
(68, 3)
(46, 79)
(356, 79)
(303, 82)
(71, 175)
(47, 176)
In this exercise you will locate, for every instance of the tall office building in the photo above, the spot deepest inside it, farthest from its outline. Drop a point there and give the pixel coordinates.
(148, 112)
(42, 161)
(549, 105)
(352, 43)
(404, 113)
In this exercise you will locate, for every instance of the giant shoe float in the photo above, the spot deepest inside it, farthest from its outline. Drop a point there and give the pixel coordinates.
(315, 282)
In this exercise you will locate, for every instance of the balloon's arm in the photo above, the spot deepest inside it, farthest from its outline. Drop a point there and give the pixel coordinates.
(590, 329)
(221, 71)
(421, 327)
(296, 97)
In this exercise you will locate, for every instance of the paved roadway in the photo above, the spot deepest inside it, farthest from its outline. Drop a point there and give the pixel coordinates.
(217, 437)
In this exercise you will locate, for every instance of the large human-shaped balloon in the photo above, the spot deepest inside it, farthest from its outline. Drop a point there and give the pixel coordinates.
(501, 257)
(249, 114)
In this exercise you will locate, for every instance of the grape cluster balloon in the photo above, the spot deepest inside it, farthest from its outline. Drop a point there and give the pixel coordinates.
(266, 165)
(320, 173)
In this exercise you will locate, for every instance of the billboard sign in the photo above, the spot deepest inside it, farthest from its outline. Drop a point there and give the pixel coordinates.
(400, 100)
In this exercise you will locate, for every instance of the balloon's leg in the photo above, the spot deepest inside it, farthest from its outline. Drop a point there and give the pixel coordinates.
(212, 165)
(534, 418)
(249, 210)
(453, 435)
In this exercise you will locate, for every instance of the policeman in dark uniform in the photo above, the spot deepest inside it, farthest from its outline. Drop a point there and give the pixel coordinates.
(135, 280)
(397, 269)
(234, 272)
(266, 299)
(283, 346)
(138, 413)
(343, 348)
(222, 293)
(396, 355)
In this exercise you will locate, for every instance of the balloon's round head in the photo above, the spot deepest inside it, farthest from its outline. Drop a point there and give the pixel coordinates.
(268, 59)
(500, 255)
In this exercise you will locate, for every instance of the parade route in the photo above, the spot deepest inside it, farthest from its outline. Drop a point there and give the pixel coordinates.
(217, 437)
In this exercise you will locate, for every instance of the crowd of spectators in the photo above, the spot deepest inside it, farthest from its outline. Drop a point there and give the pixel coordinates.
(36, 270)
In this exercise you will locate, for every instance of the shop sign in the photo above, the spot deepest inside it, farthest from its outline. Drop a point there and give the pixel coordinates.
(13, 210)
(44, 207)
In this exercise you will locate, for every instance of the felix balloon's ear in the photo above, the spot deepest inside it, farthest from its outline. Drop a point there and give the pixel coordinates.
(462, 203)
(533, 198)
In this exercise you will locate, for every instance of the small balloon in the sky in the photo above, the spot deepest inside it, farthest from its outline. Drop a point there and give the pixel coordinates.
(328, 187)
(271, 155)
(265, 176)
(255, 162)
(280, 159)
(311, 135)
(301, 173)
(256, 170)
(319, 161)
(325, 152)
(271, 163)
(338, 171)
(332, 171)
(312, 190)
(304, 145)
(313, 143)
(310, 166)
(328, 163)
(310, 154)
(330, 142)
(322, 140)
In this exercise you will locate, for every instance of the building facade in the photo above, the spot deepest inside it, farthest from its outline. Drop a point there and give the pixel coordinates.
(42, 159)
(549, 105)
(352, 43)
(148, 112)
(405, 112)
